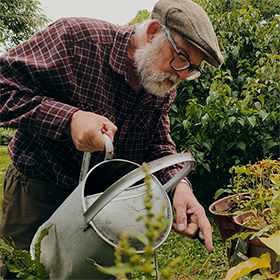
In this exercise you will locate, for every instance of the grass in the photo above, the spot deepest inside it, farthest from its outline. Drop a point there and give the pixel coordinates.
(198, 264)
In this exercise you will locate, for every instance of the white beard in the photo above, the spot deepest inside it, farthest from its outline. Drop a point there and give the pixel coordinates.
(153, 81)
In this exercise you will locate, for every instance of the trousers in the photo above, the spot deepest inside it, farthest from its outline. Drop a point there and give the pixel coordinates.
(27, 204)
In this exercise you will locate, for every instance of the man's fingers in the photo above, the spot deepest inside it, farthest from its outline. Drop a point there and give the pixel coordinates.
(86, 130)
(181, 218)
(207, 232)
(110, 134)
(181, 224)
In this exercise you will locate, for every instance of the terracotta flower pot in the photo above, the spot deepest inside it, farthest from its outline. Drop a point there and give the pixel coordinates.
(222, 211)
(256, 247)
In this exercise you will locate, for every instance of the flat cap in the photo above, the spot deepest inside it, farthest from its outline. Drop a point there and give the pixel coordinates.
(192, 23)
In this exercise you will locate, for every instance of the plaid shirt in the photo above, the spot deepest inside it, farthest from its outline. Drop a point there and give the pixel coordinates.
(78, 63)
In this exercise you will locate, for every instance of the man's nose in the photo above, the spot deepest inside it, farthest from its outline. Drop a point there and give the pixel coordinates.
(183, 73)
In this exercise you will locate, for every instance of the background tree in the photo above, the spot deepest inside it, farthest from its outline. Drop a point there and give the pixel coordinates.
(140, 16)
(231, 116)
(19, 20)
(267, 9)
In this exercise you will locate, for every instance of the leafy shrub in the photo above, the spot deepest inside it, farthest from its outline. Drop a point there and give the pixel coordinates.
(230, 116)
(6, 135)
(21, 262)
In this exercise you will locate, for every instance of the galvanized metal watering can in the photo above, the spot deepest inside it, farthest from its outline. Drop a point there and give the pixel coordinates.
(107, 201)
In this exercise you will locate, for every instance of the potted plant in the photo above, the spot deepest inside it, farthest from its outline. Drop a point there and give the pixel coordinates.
(256, 189)
(223, 211)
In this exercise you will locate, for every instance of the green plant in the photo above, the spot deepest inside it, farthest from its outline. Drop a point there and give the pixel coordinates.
(6, 135)
(261, 181)
(20, 261)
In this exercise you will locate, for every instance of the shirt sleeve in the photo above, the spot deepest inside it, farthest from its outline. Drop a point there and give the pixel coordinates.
(35, 77)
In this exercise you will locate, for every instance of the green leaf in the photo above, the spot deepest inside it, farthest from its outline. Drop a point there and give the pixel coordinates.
(258, 277)
(43, 233)
(125, 268)
(219, 192)
(258, 106)
(205, 119)
(260, 97)
(217, 77)
(228, 89)
(208, 146)
(264, 115)
(174, 108)
(141, 237)
(262, 231)
(241, 121)
(231, 120)
(241, 145)
(213, 95)
(207, 167)
(200, 156)
(230, 145)
(252, 120)
(221, 124)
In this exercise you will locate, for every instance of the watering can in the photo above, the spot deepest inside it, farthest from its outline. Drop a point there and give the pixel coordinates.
(109, 198)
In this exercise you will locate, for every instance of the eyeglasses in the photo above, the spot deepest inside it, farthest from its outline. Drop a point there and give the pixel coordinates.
(181, 62)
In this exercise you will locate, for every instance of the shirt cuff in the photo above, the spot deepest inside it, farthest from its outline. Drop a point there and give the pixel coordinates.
(185, 180)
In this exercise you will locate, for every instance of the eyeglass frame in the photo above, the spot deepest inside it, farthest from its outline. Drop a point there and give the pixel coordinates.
(174, 45)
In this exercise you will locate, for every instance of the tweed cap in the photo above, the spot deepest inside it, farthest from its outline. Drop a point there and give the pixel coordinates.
(192, 23)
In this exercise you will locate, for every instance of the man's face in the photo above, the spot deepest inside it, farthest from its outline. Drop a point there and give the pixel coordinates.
(153, 64)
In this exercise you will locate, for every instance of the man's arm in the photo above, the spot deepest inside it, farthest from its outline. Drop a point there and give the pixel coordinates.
(35, 76)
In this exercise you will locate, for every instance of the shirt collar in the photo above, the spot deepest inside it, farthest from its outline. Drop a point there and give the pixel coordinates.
(118, 55)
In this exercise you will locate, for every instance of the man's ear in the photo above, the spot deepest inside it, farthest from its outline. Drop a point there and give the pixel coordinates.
(152, 29)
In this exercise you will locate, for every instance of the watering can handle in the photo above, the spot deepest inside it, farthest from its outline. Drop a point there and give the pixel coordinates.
(137, 175)
(109, 152)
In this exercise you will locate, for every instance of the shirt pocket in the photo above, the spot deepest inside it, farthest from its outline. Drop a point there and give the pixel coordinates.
(147, 120)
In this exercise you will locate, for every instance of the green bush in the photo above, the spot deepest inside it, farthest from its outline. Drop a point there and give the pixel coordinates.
(231, 115)
(6, 135)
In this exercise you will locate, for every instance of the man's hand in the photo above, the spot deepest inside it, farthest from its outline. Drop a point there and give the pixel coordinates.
(86, 130)
(190, 215)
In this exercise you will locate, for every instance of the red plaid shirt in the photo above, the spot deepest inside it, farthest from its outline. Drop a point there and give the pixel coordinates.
(78, 63)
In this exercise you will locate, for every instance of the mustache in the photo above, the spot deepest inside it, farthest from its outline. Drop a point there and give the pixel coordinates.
(160, 77)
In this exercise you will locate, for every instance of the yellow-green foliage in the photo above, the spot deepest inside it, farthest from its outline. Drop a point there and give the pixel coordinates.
(20, 262)
(154, 228)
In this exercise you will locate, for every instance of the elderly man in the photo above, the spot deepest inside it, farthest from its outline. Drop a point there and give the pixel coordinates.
(82, 77)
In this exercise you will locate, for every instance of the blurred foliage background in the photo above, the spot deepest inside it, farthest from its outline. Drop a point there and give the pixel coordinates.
(231, 116)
